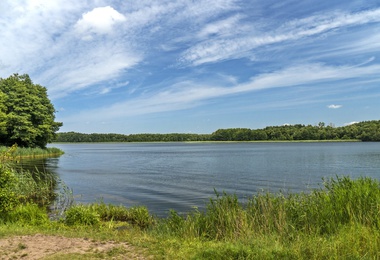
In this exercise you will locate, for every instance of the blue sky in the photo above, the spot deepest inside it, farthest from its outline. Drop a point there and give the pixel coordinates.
(197, 66)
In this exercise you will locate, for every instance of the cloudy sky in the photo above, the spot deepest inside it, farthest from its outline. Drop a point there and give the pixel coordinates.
(165, 66)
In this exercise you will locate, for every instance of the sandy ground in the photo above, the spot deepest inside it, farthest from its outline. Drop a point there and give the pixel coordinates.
(41, 246)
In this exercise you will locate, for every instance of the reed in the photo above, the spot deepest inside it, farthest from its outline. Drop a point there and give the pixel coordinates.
(340, 202)
(16, 152)
(37, 187)
(22, 190)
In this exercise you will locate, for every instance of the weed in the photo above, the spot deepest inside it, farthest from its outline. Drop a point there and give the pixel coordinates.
(21, 246)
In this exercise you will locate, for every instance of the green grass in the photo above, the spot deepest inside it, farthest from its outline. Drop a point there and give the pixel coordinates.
(340, 220)
(16, 153)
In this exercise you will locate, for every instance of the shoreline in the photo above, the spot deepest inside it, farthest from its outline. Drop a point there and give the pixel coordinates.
(258, 141)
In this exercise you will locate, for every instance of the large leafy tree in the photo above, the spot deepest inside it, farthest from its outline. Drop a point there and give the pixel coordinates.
(26, 113)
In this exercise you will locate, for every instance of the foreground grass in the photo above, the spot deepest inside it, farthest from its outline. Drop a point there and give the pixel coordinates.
(339, 220)
(351, 242)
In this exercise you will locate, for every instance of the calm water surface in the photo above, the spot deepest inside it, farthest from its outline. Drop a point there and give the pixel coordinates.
(180, 176)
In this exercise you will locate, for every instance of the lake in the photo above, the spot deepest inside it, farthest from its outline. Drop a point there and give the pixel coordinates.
(180, 176)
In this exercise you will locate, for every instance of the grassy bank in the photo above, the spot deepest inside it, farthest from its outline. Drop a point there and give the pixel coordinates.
(15, 152)
(339, 220)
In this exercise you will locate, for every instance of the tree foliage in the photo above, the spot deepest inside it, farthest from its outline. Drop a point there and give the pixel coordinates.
(26, 113)
(175, 137)
(364, 131)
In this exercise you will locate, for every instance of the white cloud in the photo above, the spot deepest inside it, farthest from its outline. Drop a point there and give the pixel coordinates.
(220, 48)
(29, 32)
(100, 20)
(92, 66)
(42, 38)
(223, 27)
(334, 106)
(187, 94)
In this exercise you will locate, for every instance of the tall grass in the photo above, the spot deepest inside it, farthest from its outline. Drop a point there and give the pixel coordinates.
(341, 201)
(41, 189)
(22, 152)
(37, 187)
(93, 214)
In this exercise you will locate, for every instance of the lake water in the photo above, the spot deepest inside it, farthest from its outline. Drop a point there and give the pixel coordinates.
(181, 176)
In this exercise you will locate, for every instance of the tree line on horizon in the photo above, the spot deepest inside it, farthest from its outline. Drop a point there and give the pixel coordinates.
(363, 131)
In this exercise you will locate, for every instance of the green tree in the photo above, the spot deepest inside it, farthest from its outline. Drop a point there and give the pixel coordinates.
(28, 115)
(3, 115)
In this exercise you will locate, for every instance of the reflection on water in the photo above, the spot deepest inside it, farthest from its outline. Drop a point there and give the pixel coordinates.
(180, 176)
(49, 165)
(49, 191)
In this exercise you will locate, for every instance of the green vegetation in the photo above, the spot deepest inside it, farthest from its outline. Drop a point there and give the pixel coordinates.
(26, 113)
(20, 188)
(80, 137)
(23, 152)
(363, 131)
(339, 220)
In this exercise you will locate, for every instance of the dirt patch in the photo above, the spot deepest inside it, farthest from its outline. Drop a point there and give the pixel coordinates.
(41, 246)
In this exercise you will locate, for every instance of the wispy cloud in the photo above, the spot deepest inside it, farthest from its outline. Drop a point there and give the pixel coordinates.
(225, 27)
(221, 48)
(334, 106)
(45, 39)
(187, 94)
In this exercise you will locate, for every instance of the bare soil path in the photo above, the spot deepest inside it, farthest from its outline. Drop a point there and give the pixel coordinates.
(44, 246)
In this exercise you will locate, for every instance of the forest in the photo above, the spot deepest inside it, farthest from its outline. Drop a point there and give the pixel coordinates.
(362, 131)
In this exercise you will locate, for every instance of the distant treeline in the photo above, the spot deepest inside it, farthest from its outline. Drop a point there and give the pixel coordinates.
(364, 131)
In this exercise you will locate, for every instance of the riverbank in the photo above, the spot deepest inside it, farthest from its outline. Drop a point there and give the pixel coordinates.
(340, 220)
(16, 153)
